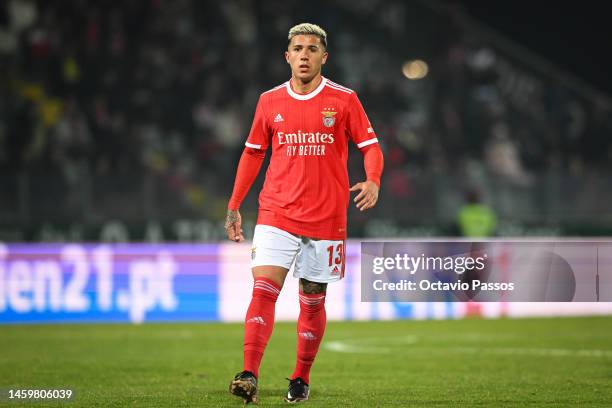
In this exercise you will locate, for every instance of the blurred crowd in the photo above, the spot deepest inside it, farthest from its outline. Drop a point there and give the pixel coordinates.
(140, 108)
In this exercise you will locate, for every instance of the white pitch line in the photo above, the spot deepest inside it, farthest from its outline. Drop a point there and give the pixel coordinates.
(385, 345)
(361, 346)
(529, 351)
(342, 347)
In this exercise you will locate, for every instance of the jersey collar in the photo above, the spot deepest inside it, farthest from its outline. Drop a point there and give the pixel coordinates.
(310, 95)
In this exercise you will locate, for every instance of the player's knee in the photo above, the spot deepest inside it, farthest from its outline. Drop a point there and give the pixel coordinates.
(312, 287)
(276, 274)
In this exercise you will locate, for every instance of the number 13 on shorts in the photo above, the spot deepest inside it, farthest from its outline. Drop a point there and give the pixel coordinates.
(336, 259)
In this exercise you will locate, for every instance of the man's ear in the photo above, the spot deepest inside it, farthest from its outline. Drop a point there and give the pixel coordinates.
(325, 54)
(287, 56)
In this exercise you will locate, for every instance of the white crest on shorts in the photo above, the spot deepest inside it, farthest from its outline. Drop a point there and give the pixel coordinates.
(253, 252)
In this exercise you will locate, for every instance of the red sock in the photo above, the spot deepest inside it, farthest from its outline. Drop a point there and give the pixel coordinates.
(259, 322)
(310, 328)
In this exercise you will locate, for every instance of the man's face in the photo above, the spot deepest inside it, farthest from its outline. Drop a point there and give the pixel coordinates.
(305, 55)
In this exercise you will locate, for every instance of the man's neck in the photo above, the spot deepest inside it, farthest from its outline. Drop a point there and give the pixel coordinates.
(306, 87)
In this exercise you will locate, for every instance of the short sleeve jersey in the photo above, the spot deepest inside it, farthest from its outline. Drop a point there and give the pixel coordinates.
(306, 190)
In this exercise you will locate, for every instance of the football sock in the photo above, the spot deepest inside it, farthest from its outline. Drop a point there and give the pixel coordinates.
(259, 322)
(310, 330)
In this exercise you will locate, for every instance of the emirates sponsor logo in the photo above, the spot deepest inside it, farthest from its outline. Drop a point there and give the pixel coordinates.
(305, 143)
(301, 137)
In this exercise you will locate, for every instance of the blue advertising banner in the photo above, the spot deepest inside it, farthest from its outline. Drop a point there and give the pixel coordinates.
(110, 283)
(136, 283)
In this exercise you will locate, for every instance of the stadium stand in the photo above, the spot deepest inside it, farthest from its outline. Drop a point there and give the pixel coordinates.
(124, 114)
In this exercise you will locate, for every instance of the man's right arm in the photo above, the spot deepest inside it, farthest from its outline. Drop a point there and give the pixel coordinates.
(248, 168)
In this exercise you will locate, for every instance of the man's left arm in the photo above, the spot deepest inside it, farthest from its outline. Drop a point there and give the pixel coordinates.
(363, 135)
(373, 163)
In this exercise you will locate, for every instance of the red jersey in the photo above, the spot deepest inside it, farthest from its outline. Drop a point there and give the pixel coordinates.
(306, 190)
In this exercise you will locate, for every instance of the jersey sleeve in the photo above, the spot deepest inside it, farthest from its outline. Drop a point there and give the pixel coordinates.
(358, 124)
(259, 136)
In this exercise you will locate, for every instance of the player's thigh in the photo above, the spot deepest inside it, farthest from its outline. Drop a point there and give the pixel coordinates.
(273, 253)
(320, 261)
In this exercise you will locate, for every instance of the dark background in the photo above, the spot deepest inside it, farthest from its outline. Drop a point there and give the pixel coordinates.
(573, 35)
(119, 120)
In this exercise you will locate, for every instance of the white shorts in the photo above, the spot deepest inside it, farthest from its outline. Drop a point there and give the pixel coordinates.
(317, 260)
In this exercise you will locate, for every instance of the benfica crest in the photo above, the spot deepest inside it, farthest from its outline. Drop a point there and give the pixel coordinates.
(328, 117)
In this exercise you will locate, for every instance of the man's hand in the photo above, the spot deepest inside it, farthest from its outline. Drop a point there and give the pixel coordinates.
(368, 196)
(233, 223)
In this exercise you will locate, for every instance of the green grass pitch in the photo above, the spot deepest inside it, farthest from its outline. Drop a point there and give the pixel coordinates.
(476, 362)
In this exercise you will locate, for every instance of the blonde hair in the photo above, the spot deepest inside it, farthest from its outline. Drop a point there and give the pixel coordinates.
(308, 29)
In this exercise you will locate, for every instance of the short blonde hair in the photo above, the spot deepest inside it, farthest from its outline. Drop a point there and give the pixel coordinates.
(308, 29)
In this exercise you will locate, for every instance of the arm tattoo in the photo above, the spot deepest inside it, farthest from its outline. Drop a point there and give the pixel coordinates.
(309, 287)
(231, 218)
